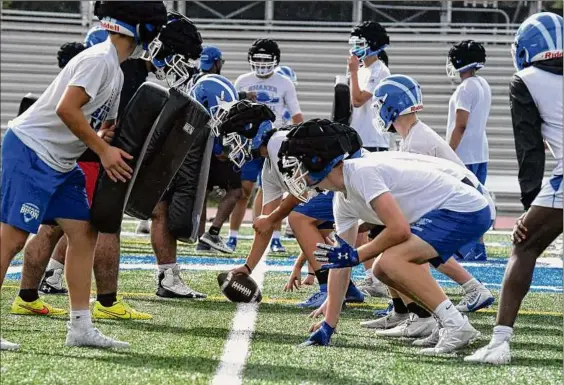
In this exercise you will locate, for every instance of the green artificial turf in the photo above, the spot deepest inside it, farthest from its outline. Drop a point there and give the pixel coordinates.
(184, 342)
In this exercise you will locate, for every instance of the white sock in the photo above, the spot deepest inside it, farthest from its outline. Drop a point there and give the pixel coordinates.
(80, 319)
(166, 266)
(501, 333)
(54, 265)
(276, 235)
(449, 316)
(369, 274)
(233, 233)
(471, 285)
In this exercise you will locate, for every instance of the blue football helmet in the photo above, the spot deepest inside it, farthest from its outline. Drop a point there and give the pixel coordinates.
(394, 96)
(538, 38)
(216, 93)
(288, 72)
(95, 36)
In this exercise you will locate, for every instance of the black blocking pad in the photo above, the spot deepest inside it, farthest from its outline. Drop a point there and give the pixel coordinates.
(342, 109)
(132, 130)
(177, 129)
(189, 189)
(26, 102)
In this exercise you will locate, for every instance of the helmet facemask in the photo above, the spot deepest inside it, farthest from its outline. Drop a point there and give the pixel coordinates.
(239, 148)
(263, 64)
(296, 179)
(377, 120)
(175, 69)
(451, 71)
(219, 112)
(359, 47)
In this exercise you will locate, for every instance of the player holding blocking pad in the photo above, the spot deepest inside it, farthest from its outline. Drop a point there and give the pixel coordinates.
(428, 212)
(40, 178)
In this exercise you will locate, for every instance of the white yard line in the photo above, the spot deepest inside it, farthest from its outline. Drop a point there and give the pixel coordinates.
(236, 349)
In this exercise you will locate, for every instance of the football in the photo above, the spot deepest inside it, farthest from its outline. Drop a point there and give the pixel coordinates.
(239, 287)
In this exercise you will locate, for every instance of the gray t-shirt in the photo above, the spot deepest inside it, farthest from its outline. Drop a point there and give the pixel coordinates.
(97, 71)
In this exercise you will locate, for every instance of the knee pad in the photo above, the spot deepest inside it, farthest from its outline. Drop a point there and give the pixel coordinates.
(27, 101)
(342, 109)
(190, 189)
(178, 127)
(132, 130)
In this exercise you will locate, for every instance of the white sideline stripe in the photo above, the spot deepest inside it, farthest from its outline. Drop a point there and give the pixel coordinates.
(236, 349)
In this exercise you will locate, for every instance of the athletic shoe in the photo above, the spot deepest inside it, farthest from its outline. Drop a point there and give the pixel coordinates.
(320, 337)
(354, 295)
(52, 283)
(119, 310)
(171, 285)
(92, 337)
(386, 311)
(202, 247)
(37, 307)
(451, 339)
(216, 243)
(289, 233)
(232, 243)
(495, 354)
(315, 301)
(372, 288)
(7, 345)
(390, 321)
(431, 340)
(276, 246)
(143, 227)
(413, 327)
(476, 299)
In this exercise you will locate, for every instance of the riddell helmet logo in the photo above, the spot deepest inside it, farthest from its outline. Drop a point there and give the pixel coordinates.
(553, 55)
(416, 108)
(29, 211)
(110, 26)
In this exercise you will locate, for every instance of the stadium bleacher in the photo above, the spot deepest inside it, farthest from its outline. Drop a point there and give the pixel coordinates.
(28, 64)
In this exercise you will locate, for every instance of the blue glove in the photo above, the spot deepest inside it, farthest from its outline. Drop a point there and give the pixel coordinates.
(320, 337)
(340, 256)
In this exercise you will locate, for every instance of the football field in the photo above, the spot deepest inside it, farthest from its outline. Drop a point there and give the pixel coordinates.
(190, 342)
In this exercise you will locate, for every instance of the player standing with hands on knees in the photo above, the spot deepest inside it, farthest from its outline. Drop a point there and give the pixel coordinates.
(40, 178)
(535, 95)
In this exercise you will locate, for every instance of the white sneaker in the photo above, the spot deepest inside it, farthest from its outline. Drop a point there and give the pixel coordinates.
(413, 327)
(431, 340)
(171, 285)
(392, 320)
(372, 287)
(143, 227)
(216, 243)
(495, 354)
(92, 337)
(7, 345)
(52, 282)
(478, 298)
(451, 339)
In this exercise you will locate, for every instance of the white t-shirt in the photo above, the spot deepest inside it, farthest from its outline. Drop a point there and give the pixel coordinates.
(97, 71)
(421, 139)
(417, 186)
(361, 120)
(546, 90)
(273, 186)
(475, 96)
(277, 92)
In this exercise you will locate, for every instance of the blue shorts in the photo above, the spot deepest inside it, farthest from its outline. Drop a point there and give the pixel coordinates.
(319, 208)
(251, 170)
(34, 193)
(447, 231)
(480, 170)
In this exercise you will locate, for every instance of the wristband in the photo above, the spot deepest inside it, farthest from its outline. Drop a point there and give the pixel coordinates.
(248, 268)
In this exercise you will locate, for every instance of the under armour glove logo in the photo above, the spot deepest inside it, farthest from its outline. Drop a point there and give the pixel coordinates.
(343, 255)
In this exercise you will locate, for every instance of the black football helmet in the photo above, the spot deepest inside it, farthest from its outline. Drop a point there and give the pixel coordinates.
(264, 57)
(368, 39)
(465, 56)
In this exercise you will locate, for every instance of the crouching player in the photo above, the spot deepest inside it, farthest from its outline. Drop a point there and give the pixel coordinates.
(312, 222)
(395, 104)
(40, 178)
(536, 110)
(428, 212)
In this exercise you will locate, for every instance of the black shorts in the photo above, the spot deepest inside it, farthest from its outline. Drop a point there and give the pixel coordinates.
(223, 175)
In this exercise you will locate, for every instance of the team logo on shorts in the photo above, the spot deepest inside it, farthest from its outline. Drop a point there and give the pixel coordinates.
(421, 223)
(29, 212)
